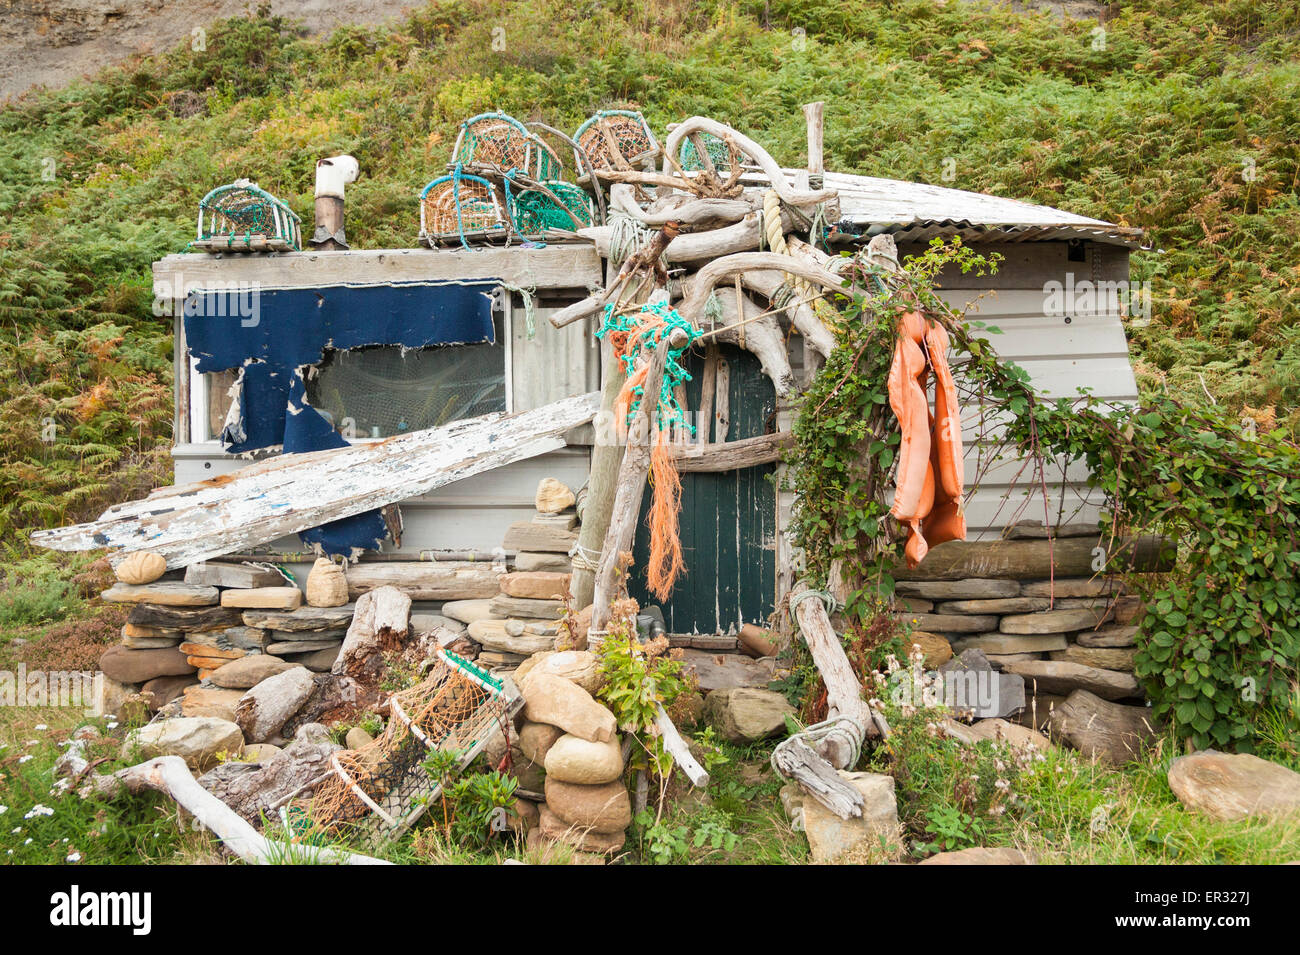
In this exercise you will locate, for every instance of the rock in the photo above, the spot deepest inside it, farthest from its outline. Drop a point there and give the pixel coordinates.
(467, 611)
(141, 567)
(256, 790)
(536, 584)
(552, 496)
(1099, 729)
(318, 661)
(573, 630)
(290, 647)
(577, 666)
(526, 815)
(1002, 643)
(259, 752)
(969, 589)
(1229, 787)
(217, 574)
(197, 740)
(164, 593)
(745, 714)
(999, 661)
(996, 605)
(152, 643)
(189, 619)
(266, 598)
(1038, 709)
(357, 738)
(552, 699)
(981, 856)
(267, 707)
(830, 837)
(908, 604)
(428, 623)
(1051, 621)
(503, 606)
(1103, 658)
(1002, 731)
(210, 701)
(327, 585)
(572, 759)
(531, 775)
(1072, 587)
(1118, 637)
(715, 671)
(536, 740)
(552, 827)
(951, 622)
(1056, 676)
(936, 649)
(493, 635)
(122, 700)
(250, 671)
(211, 652)
(757, 642)
(135, 630)
(973, 688)
(309, 620)
(139, 666)
(245, 638)
(606, 808)
(548, 563)
(530, 536)
(160, 691)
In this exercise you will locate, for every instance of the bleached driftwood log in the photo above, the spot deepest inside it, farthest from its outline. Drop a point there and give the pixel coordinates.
(381, 621)
(801, 314)
(677, 748)
(427, 579)
(795, 759)
(170, 775)
(730, 455)
(755, 332)
(688, 211)
(292, 492)
(720, 269)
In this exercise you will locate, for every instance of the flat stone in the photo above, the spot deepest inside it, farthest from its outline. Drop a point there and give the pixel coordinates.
(1000, 660)
(205, 650)
(188, 619)
(552, 699)
(493, 635)
(304, 619)
(996, 605)
(914, 604)
(245, 638)
(197, 740)
(951, 623)
(318, 661)
(1050, 621)
(1234, 786)
(538, 561)
(210, 701)
(1004, 731)
(936, 648)
(830, 837)
(263, 598)
(572, 759)
(290, 647)
(427, 623)
(139, 666)
(137, 630)
(152, 643)
(527, 536)
(1104, 658)
(165, 593)
(504, 606)
(969, 589)
(1116, 637)
(1002, 643)
(1034, 530)
(250, 671)
(716, 671)
(1072, 587)
(605, 808)
(265, 708)
(981, 856)
(577, 666)
(216, 574)
(1056, 676)
(746, 714)
(467, 611)
(535, 628)
(535, 584)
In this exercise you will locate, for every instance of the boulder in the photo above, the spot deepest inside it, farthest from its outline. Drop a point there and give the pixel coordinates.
(553, 828)
(327, 584)
(981, 856)
(536, 584)
(606, 808)
(536, 740)
(1110, 732)
(830, 837)
(356, 738)
(164, 593)
(248, 672)
(267, 598)
(553, 497)
(936, 649)
(552, 699)
(1229, 787)
(197, 740)
(972, 687)
(1058, 676)
(160, 691)
(745, 714)
(210, 701)
(577, 666)
(572, 759)
(716, 671)
(467, 611)
(141, 567)
(140, 666)
(265, 708)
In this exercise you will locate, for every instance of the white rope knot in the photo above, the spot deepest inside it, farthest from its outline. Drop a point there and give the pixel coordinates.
(584, 558)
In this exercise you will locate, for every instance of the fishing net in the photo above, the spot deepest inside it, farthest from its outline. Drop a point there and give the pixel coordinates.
(688, 156)
(617, 138)
(378, 791)
(501, 141)
(239, 211)
(459, 205)
(566, 207)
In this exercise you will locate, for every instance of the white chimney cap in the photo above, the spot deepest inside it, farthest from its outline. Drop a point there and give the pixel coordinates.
(334, 173)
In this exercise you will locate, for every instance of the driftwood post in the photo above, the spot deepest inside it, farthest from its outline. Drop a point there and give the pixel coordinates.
(601, 484)
(816, 170)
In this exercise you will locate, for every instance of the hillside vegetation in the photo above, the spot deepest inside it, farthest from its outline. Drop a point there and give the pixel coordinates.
(1181, 116)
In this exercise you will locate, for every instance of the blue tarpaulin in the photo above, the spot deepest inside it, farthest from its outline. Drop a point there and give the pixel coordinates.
(272, 335)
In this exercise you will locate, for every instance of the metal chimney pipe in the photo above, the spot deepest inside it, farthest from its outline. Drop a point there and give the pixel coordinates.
(332, 175)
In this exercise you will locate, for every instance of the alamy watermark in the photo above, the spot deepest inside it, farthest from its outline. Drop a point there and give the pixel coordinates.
(81, 689)
(1088, 298)
(210, 298)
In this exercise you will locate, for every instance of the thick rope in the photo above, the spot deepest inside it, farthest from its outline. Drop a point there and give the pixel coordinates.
(584, 558)
(530, 306)
(628, 236)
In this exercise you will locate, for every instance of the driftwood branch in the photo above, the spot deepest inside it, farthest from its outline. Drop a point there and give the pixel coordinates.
(758, 333)
(795, 759)
(730, 455)
(680, 752)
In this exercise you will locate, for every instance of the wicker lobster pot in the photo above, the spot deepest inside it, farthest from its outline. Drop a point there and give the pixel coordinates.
(499, 143)
(460, 206)
(241, 217)
(617, 139)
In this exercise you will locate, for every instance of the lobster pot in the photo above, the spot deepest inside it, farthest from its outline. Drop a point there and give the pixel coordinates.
(459, 206)
(616, 138)
(688, 154)
(561, 206)
(240, 217)
(380, 790)
(498, 142)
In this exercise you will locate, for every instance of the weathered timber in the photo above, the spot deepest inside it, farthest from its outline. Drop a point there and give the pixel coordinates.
(528, 535)
(183, 618)
(426, 580)
(758, 333)
(242, 576)
(293, 492)
(382, 622)
(1099, 729)
(677, 748)
(795, 759)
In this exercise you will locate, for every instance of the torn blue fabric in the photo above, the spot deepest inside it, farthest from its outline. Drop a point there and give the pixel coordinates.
(273, 334)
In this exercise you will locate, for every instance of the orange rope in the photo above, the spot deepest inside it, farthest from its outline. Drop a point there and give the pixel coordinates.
(666, 562)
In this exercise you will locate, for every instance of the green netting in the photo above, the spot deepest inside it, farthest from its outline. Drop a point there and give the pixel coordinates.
(533, 211)
(689, 158)
(646, 335)
(241, 210)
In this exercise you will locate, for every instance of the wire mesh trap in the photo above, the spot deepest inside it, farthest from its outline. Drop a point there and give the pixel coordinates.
(460, 206)
(554, 205)
(617, 139)
(380, 790)
(240, 217)
(499, 142)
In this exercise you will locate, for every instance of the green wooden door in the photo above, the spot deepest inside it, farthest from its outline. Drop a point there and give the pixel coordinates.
(728, 520)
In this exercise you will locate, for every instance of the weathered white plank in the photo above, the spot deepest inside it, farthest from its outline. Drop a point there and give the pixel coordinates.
(294, 492)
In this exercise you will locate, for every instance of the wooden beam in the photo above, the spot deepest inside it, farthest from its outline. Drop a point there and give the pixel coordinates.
(294, 492)
(679, 750)
(730, 455)
(426, 579)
